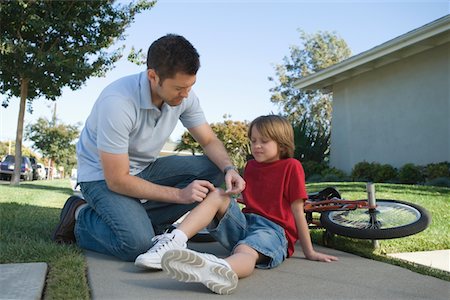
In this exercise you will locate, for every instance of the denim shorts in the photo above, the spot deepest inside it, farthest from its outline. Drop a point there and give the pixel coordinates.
(266, 237)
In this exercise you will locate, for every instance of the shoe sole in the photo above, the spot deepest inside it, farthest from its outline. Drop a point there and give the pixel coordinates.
(187, 266)
(66, 209)
(145, 265)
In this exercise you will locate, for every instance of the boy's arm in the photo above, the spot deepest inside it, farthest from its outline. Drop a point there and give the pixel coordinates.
(303, 234)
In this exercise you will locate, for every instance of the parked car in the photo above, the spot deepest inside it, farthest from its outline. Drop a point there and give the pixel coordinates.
(40, 171)
(7, 168)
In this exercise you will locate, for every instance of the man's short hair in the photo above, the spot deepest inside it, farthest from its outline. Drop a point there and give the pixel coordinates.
(172, 54)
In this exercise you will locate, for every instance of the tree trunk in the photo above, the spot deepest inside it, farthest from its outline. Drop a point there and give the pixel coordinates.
(50, 169)
(15, 178)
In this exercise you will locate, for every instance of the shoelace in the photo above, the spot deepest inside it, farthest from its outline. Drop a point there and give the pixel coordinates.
(161, 241)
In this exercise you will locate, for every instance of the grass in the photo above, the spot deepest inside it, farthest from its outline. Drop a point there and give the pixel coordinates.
(29, 213)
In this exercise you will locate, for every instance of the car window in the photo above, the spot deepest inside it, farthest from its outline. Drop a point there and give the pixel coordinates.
(9, 159)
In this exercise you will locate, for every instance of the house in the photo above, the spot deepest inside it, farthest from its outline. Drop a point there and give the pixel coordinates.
(391, 104)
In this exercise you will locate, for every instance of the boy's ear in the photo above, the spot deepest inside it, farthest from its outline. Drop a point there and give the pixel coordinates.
(282, 150)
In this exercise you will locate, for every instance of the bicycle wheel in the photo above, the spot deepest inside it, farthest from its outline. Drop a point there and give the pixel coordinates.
(391, 219)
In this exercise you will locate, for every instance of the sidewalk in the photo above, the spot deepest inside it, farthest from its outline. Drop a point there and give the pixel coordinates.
(439, 259)
(352, 277)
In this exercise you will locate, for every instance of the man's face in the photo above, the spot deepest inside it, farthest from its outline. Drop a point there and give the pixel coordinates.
(172, 90)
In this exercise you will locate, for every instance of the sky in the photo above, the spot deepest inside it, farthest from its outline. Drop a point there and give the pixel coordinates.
(239, 43)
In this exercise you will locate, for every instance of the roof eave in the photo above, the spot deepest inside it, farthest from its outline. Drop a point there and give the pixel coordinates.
(420, 39)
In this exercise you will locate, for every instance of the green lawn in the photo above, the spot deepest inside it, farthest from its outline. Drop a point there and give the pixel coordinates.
(29, 213)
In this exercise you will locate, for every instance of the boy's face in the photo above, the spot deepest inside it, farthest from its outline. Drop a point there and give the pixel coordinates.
(264, 150)
(172, 90)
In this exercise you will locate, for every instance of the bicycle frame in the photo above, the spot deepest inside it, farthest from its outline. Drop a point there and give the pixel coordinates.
(329, 200)
(333, 204)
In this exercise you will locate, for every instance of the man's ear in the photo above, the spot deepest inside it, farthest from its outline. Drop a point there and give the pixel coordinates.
(152, 76)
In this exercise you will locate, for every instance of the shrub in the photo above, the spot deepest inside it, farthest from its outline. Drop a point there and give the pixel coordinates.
(439, 181)
(312, 167)
(410, 173)
(363, 171)
(433, 171)
(333, 174)
(333, 178)
(384, 173)
(314, 178)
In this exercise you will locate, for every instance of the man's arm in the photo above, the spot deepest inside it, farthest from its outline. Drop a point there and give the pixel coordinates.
(117, 175)
(216, 152)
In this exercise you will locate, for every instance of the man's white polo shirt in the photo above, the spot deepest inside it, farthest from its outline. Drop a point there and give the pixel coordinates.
(124, 120)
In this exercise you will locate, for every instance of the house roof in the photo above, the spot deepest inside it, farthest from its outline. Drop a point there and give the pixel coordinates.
(428, 36)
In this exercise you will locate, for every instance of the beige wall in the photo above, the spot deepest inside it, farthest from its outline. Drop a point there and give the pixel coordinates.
(396, 114)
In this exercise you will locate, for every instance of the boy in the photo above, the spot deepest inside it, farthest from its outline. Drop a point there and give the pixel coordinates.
(262, 235)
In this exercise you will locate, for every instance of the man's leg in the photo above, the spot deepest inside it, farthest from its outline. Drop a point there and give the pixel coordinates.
(121, 226)
(112, 224)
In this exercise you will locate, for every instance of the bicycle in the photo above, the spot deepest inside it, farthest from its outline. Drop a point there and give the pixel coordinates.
(372, 219)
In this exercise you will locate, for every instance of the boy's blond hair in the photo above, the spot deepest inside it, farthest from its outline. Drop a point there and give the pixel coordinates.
(277, 129)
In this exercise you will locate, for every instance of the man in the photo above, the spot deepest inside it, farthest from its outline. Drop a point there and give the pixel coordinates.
(117, 157)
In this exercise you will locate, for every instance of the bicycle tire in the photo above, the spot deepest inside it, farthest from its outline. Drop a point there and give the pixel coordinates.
(394, 219)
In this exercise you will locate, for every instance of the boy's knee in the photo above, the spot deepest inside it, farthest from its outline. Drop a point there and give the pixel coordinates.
(219, 200)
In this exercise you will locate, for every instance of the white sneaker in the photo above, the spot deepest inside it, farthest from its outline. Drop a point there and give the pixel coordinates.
(152, 258)
(190, 266)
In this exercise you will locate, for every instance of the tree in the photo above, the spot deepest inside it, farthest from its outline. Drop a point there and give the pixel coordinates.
(233, 134)
(318, 51)
(9, 147)
(310, 144)
(48, 45)
(54, 141)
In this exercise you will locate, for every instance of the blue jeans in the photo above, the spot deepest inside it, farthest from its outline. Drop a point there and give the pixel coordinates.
(261, 234)
(122, 226)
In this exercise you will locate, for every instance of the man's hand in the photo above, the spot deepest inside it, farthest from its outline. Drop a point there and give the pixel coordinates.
(196, 191)
(234, 182)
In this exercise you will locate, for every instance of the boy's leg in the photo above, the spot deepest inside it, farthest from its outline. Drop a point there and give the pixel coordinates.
(230, 228)
(176, 171)
(243, 260)
(215, 204)
(190, 266)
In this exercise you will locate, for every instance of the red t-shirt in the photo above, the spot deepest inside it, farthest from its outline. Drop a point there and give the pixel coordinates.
(270, 190)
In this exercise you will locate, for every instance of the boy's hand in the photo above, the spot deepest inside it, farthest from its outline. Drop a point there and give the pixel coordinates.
(317, 256)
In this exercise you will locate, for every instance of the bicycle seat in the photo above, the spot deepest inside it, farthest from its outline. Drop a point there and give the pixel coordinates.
(325, 194)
